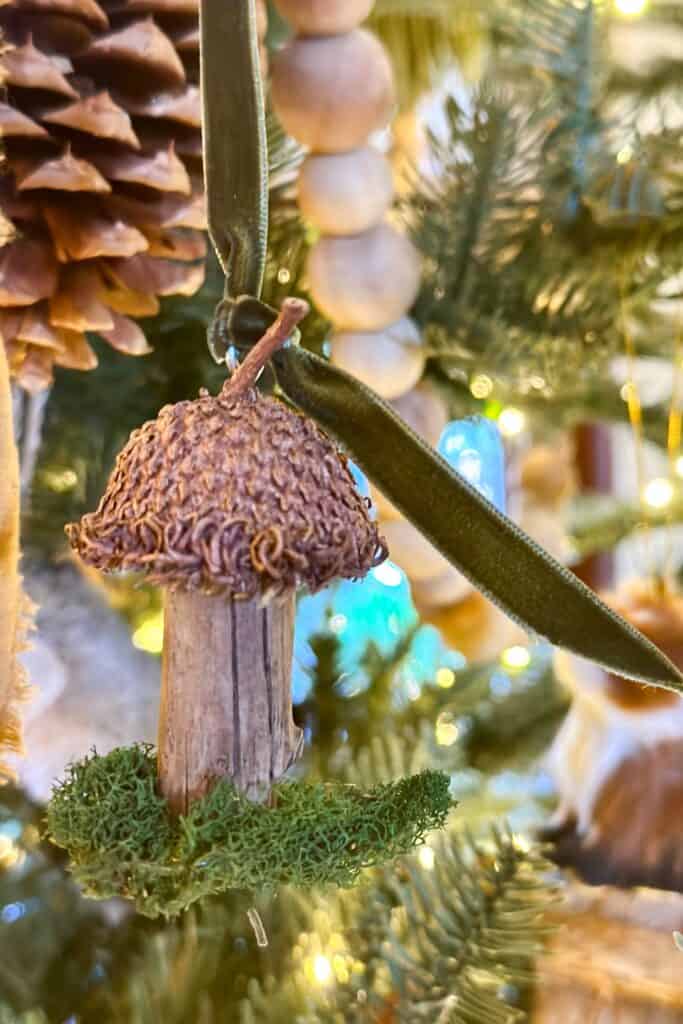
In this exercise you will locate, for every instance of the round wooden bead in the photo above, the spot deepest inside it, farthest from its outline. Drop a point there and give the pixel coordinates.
(408, 548)
(345, 193)
(389, 361)
(441, 591)
(365, 282)
(332, 93)
(424, 410)
(324, 17)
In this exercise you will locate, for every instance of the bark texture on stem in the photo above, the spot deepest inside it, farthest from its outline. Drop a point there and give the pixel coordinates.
(226, 705)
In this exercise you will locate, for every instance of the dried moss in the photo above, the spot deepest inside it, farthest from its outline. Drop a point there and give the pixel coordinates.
(122, 841)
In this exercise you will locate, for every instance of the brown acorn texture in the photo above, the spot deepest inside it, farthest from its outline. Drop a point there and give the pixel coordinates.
(236, 494)
(102, 191)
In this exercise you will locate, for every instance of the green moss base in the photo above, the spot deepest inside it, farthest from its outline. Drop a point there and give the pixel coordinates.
(122, 841)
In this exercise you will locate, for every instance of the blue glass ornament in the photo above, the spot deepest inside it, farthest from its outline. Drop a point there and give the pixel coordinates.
(378, 610)
(474, 448)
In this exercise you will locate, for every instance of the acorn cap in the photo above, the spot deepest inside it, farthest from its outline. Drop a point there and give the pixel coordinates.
(233, 493)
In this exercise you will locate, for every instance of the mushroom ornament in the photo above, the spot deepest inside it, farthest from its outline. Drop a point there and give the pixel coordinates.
(230, 503)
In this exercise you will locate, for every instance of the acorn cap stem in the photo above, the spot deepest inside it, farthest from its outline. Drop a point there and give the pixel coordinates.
(292, 313)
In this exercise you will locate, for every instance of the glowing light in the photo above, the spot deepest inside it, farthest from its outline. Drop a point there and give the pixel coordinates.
(447, 731)
(283, 275)
(511, 421)
(61, 480)
(624, 155)
(149, 635)
(445, 678)
(338, 623)
(10, 854)
(521, 843)
(322, 969)
(659, 493)
(426, 858)
(516, 657)
(679, 466)
(388, 574)
(481, 386)
(630, 8)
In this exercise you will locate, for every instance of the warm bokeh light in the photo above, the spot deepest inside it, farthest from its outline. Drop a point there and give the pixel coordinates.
(511, 421)
(322, 969)
(447, 730)
(481, 386)
(445, 677)
(516, 657)
(631, 8)
(149, 635)
(426, 858)
(659, 493)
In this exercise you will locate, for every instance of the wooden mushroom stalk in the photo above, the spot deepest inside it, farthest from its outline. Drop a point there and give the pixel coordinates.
(231, 503)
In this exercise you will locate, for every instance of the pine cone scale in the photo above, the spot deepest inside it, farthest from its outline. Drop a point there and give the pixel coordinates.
(101, 122)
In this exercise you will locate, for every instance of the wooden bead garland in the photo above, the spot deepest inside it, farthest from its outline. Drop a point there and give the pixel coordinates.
(365, 282)
(331, 92)
(324, 17)
(345, 193)
(425, 411)
(332, 88)
(389, 361)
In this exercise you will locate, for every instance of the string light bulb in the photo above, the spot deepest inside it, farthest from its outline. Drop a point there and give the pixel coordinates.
(631, 8)
(511, 421)
(516, 657)
(322, 969)
(149, 635)
(426, 858)
(659, 493)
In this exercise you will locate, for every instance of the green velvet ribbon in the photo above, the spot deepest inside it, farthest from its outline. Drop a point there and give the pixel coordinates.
(486, 546)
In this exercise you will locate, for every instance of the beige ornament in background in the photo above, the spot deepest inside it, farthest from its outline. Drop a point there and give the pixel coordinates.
(475, 627)
(324, 17)
(449, 588)
(345, 193)
(610, 958)
(365, 282)
(332, 92)
(386, 511)
(547, 472)
(412, 551)
(390, 361)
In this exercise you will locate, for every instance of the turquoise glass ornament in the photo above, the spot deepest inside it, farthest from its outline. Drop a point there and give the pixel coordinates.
(474, 448)
(376, 610)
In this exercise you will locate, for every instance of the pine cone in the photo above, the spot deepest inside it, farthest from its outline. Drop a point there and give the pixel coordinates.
(101, 127)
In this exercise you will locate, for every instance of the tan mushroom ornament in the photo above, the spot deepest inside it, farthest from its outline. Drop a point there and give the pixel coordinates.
(231, 503)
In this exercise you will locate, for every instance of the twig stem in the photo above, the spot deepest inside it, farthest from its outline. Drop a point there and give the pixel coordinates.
(292, 313)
